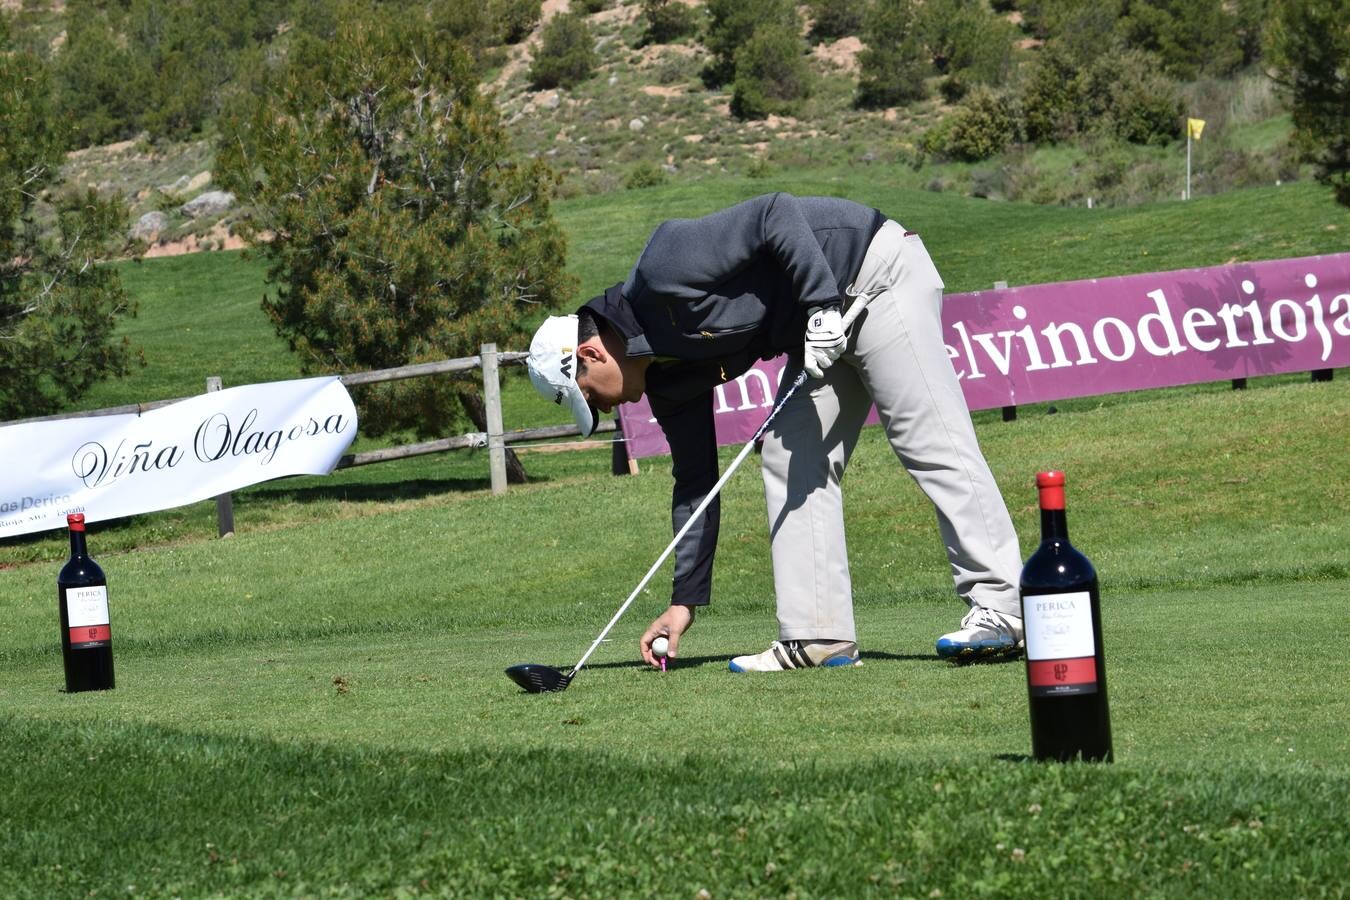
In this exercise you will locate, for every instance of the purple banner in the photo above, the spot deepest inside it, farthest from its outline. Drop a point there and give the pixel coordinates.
(1081, 338)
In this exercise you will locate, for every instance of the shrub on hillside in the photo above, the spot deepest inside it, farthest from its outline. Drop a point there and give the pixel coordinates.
(1190, 37)
(772, 75)
(92, 77)
(968, 43)
(160, 67)
(1251, 17)
(1082, 30)
(1118, 174)
(731, 23)
(1121, 93)
(1050, 95)
(1126, 94)
(566, 55)
(473, 26)
(515, 19)
(833, 19)
(643, 175)
(984, 125)
(894, 66)
(667, 21)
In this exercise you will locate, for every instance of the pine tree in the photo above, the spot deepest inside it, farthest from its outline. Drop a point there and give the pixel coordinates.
(566, 55)
(397, 226)
(731, 24)
(1310, 43)
(772, 77)
(894, 65)
(59, 308)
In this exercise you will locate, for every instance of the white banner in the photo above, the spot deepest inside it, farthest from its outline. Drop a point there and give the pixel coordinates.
(112, 466)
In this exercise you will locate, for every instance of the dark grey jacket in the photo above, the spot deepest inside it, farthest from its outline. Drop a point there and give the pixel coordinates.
(707, 298)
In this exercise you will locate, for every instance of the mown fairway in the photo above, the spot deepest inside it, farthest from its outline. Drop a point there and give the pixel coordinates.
(317, 707)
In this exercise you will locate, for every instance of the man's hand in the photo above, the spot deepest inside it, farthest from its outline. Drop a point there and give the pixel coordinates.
(824, 339)
(672, 623)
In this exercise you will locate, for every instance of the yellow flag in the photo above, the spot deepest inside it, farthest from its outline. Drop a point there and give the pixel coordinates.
(1194, 127)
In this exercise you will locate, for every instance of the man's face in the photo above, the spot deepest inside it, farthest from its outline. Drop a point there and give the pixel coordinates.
(602, 383)
(607, 382)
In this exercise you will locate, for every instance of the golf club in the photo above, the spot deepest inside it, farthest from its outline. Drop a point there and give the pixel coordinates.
(540, 679)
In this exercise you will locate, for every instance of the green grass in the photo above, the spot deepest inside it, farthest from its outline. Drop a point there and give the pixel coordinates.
(199, 315)
(293, 719)
(977, 242)
(1266, 134)
(316, 706)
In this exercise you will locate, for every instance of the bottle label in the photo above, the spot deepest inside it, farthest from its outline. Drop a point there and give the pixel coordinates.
(87, 615)
(1061, 652)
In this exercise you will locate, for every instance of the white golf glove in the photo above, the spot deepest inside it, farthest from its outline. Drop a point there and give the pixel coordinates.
(824, 339)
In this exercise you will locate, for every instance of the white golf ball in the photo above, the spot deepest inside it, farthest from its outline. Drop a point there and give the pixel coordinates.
(660, 647)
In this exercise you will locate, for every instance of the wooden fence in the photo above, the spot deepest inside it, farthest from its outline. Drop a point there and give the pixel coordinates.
(496, 439)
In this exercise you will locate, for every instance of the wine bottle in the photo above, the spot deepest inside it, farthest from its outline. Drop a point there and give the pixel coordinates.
(1066, 668)
(86, 631)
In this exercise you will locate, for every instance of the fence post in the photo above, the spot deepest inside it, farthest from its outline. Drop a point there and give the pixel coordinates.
(224, 502)
(1010, 412)
(619, 462)
(492, 401)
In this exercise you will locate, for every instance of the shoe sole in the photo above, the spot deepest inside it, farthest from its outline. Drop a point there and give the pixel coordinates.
(969, 653)
(838, 662)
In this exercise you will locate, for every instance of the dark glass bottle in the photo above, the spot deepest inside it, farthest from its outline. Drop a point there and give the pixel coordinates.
(1066, 668)
(86, 633)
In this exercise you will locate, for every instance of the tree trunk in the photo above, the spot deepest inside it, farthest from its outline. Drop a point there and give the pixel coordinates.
(473, 405)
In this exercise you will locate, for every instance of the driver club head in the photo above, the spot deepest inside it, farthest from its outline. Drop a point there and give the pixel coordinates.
(538, 679)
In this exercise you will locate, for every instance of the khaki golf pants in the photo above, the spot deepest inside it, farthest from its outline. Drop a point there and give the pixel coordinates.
(895, 358)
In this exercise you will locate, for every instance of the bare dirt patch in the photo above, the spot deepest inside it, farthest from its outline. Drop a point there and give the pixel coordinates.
(623, 13)
(656, 53)
(218, 238)
(104, 150)
(842, 54)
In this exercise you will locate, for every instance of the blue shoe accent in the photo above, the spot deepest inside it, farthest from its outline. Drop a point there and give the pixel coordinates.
(983, 634)
(783, 656)
(969, 650)
(957, 648)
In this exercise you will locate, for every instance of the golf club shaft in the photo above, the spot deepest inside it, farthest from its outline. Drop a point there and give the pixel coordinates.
(689, 523)
(859, 303)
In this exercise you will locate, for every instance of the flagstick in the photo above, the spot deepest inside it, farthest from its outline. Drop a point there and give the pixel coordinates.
(1188, 159)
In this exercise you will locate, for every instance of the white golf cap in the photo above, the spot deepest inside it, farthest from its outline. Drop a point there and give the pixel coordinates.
(553, 369)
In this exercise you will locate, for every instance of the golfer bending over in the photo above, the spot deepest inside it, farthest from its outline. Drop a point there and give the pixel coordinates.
(706, 299)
